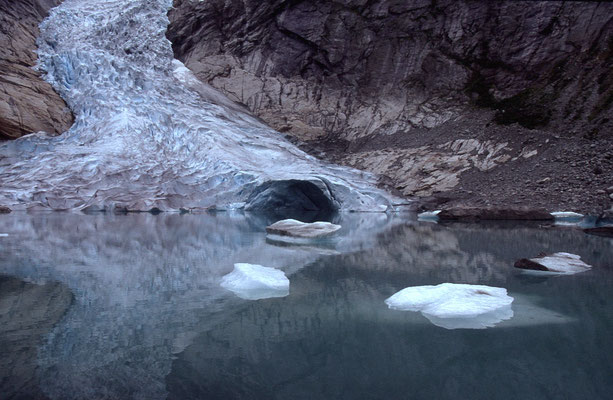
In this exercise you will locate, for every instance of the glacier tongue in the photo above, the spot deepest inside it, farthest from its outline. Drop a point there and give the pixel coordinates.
(148, 135)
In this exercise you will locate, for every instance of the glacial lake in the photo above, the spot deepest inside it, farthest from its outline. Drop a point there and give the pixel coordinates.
(130, 307)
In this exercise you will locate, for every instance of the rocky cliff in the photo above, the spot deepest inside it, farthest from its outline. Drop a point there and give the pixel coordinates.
(472, 101)
(27, 103)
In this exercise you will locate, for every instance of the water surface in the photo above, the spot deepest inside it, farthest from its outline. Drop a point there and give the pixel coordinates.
(121, 307)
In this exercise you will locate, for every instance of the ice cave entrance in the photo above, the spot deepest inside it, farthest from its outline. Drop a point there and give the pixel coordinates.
(298, 199)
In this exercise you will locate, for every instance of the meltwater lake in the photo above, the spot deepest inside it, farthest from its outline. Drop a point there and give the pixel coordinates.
(131, 307)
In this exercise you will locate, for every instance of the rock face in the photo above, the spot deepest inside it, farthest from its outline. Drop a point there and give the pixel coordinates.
(440, 96)
(27, 103)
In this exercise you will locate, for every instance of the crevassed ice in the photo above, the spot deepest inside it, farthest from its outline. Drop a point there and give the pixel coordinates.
(148, 135)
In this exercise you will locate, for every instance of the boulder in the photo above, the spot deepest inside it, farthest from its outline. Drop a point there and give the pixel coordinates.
(606, 231)
(295, 228)
(452, 305)
(255, 282)
(4, 210)
(556, 263)
(462, 213)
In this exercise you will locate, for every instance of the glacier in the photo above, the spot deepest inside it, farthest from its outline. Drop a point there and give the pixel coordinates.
(149, 136)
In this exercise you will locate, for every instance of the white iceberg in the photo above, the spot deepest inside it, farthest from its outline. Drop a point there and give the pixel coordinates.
(255, 282)
(567, 218)
(295, 228)
(556, 263)
(454, 306)
(566, 215)
(431, 216)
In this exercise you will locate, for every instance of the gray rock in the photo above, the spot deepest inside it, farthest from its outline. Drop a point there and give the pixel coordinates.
(27, 103)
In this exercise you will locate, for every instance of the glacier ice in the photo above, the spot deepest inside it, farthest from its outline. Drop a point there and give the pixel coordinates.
(148, 135)
(455, 306)
(567, 218)
(566, 215)
(430, 216)
(255, 282)
(295, 228)
(557, 263)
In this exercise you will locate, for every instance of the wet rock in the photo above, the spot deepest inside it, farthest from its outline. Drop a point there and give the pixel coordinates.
(27, 103)
(559, 263)
(4, 210)
(295, 228)
(606, 231)
(494, 213)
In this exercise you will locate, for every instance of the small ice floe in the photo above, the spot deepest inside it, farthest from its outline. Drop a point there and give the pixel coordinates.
(431, 216)
(456, 306)
(566, 215)
(556, 263)
(567, 218)
(4, 235)
(295, 228)
(255, 282)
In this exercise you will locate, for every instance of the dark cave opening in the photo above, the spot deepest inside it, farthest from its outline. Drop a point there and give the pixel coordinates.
(297, 199)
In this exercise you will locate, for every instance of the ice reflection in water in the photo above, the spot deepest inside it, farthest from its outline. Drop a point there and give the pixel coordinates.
(149, 319)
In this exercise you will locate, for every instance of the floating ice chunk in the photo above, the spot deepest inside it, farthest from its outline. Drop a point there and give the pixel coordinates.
(481, 321)
(254, 282)
(567, 218)
(556, 263)
(428, 215)
(4, 234)
(295, 228)
(566, 215)
(454, 306)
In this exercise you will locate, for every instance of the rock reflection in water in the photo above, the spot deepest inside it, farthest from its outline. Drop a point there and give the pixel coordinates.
(150, 321)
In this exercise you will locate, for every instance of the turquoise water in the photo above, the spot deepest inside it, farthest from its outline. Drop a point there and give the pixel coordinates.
(122, 307)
